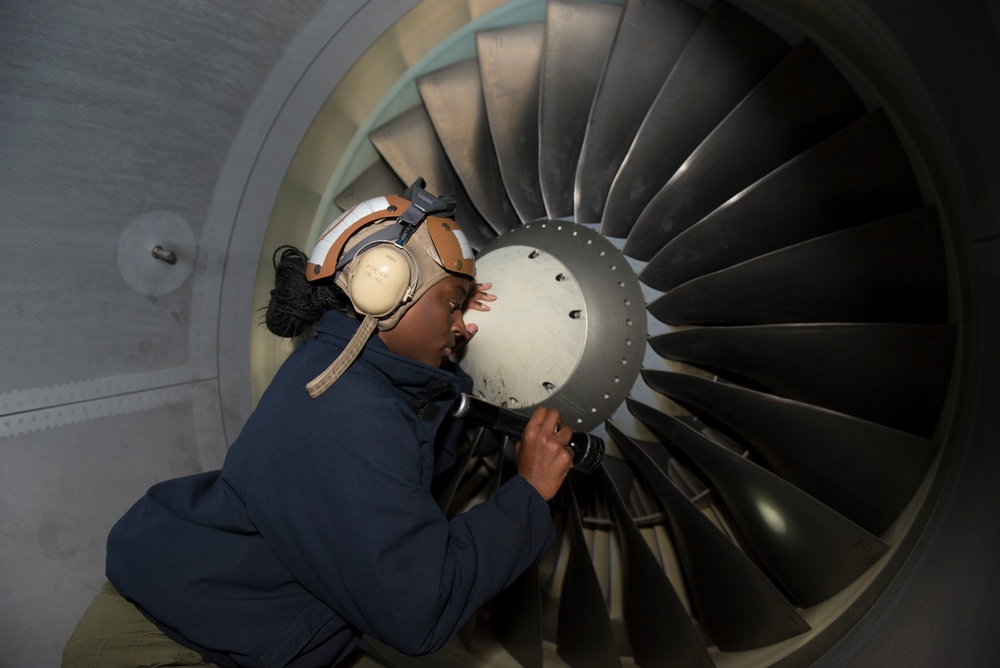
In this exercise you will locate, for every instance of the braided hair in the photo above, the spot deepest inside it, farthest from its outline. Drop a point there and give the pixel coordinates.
(297, 304)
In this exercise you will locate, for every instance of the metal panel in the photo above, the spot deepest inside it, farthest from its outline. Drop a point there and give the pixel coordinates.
(64, 487)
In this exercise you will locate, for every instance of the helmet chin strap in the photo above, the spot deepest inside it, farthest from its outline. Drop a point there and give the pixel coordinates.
(320, 383)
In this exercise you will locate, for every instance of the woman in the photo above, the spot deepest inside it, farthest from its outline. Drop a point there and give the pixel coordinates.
(321, 527)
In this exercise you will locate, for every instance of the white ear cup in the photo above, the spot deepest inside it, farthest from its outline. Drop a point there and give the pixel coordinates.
(382, 278)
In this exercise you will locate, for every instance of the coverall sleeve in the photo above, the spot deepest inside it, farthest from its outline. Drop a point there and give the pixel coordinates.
(348, 514)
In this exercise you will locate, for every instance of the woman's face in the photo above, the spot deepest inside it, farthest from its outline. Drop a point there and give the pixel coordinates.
(429, 331)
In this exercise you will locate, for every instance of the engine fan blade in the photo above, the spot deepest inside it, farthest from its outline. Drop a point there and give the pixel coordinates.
(892, 374)
(812, 551)
(892, 270)
(510, 63)
(453, 97)
(410, 145)
(584, 638)
(686, 110)
(659, 629)
(859, 175)
(740, 608)
(578, 37)
(628, 86)
(864, 471)
(801, 102)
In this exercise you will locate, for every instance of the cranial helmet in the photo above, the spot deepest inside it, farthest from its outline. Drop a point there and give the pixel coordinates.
(385, 253)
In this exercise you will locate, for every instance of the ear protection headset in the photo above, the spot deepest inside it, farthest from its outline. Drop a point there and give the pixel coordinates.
(377, 271)
(382, 275)
(365, 253)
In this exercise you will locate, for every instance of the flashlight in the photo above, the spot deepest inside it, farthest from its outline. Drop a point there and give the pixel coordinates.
(588, 450)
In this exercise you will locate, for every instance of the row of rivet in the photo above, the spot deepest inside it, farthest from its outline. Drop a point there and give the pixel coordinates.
(42, 408)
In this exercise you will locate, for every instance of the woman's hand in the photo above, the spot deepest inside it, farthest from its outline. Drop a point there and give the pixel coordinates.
(478, 295)
(476, 301)
(543, 455)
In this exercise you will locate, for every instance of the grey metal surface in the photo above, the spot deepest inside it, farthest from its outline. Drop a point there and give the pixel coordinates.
(600, 375)
(891, 270)
(628, 86)
(449, 481)
(863, 470)
(64, 487)
(895, 375)
(812, 551)
(802, 101)
(651, 603)
(731, 50)
(111, 117)
(510, 65)
(578, 36)
(453, 98)
(859, 175)
(411, 147)
(739, 607)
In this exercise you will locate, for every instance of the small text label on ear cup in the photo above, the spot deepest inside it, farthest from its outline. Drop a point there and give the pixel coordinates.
(380, 280)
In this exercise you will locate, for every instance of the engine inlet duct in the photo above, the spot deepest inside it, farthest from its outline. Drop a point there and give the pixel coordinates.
(764, 344)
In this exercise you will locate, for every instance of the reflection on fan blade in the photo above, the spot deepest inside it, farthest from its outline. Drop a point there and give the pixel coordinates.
(584, 635)
(510, 62)
(516, 618)
(801, 102)
(476, 486)
(891, 270)
(812, 551)
(578, 36)
(895, 375)
(740, 608)
(412, 148)
(628, 86)
(856, 176)
(505, 468)
(450, 479)
(659, 629)
(733, 52)
(864, 471)
(453, 97)
(377, 180)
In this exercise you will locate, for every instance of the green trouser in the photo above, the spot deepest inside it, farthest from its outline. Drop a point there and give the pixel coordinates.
(113, 634)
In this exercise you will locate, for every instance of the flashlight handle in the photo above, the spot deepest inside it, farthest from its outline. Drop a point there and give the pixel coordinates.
(588, 450)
